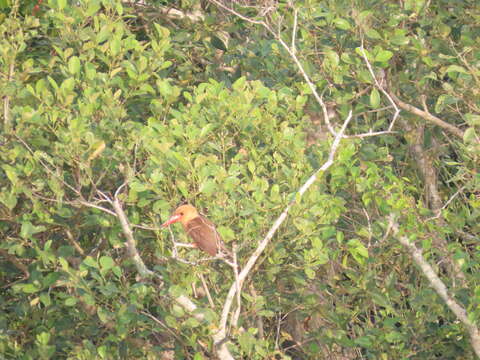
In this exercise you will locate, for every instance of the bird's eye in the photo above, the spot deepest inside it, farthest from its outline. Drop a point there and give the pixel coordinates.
(181, 213)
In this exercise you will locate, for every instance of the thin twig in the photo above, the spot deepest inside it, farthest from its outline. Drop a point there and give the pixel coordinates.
(370, 232)
(159, 322)
(261, 333)
(277, 332)
(144, 227)
(207, 291)
(89, 204)
(74, 242)
(439, 211)
(17, 263)
(429, 117)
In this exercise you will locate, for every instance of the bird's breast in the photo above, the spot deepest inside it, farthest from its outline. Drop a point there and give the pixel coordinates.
(203, 234)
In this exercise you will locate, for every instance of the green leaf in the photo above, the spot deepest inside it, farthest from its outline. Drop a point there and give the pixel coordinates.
(8, 199)
(342, 24)
(62, 4)
(74, 65)
(30, 289)
(45, 299)
(363, 341)
(119, 8)
(208, 187)
(333, 57)
(310, 273)
(93, 7)
(240, 84)
(456, 68)
(469, 135)
(11, 173)
(117, 270)
(103, 314)
(472, 119)
(63, 263)
(106, 263)
(89, 261)
(399, 40)
(374, 98)
(218, 43)
(71, 301)
(28, 229)
(192, 323)
(115, 46)
(373, 34)
(383, 56)
(440, 103)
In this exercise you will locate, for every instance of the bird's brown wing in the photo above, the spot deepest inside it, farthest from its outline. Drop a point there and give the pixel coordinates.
(204, 234)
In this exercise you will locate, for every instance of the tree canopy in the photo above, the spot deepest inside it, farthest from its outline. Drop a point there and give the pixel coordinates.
(335, 145)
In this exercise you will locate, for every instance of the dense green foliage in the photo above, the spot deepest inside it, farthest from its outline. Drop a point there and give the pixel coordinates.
(214, 112)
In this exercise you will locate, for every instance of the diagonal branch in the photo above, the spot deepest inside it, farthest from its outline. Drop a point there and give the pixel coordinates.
(437, 284)
(220, 336)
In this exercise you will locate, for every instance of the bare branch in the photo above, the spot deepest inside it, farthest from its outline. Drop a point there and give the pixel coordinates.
(294, 31)
(261, 332)
(130, 241)
(74, 242)
(236, 315)
(437, 284)
(144, 227)
(120, 189)
(159, 322)
(6, 101)
(207, 291)
(370, 134)
(92, 205)
(237, 14)
(428, 117)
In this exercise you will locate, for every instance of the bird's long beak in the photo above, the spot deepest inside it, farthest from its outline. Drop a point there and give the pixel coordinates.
(173, 219)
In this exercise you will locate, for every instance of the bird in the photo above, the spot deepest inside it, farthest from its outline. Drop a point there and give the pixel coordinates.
(202, 231)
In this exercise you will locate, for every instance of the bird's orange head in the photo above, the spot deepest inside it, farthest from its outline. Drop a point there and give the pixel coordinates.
(183, 213)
